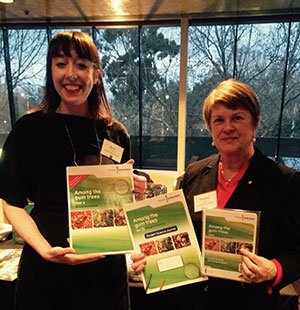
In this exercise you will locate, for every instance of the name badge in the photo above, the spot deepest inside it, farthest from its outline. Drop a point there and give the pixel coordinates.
(205, 201)
(112, 150)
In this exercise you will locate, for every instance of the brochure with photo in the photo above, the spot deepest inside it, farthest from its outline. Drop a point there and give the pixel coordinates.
(161, 229)
(225, 232)
(96, 195)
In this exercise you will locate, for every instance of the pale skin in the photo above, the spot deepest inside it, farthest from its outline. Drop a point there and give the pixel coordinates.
(232, 132)
(73, 79)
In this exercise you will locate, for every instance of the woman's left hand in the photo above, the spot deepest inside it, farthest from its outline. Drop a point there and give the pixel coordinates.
(256, 268)
(140, 182)
(138, 262)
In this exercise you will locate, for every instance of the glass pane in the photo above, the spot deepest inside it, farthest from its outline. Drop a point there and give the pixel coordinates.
(54, 31)
(210, 61)
(28, 50)
(153, 89)
(289, 149)
(118, 50)
(160, 94)
(261, 54)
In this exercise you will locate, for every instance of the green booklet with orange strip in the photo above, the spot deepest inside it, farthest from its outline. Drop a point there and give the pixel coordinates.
(161, 229)
(96, 195)
(225, 232)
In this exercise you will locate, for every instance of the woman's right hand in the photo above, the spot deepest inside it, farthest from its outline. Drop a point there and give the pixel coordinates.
(138, 262)
(26, 227)
(69, 257)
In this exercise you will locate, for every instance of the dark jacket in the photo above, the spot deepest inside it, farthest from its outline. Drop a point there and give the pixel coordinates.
(268, 187)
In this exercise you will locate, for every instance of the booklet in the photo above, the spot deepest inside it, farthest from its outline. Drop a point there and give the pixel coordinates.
(225, 232)
(96, 195)
(161, 229)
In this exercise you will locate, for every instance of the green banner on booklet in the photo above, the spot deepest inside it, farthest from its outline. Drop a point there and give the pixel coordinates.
(161, 229)
(96, 195)
(225, 232)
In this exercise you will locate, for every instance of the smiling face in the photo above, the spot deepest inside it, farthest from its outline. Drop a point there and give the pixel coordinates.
(232, 130)
(73, 79)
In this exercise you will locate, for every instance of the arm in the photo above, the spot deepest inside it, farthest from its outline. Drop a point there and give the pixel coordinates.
(28, 230)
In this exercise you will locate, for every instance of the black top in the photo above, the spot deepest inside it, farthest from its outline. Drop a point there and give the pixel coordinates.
(34, 160)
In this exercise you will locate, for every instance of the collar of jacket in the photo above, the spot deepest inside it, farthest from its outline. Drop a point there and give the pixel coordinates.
(258, 161)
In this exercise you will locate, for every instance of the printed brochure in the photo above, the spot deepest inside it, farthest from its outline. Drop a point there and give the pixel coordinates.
(225, 232)
(96, 195)
(161, 229)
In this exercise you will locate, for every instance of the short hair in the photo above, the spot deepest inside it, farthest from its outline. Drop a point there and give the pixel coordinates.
(233, 95)
(83, 45)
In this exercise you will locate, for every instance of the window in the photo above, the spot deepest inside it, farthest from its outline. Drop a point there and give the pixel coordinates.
(141, 73)
(257, 55)
(27, 50)
(210, 61)
(289, 149)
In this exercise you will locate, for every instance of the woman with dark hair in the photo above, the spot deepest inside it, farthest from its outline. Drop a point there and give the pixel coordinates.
(66, 129)
(85, 48)
(243, 178)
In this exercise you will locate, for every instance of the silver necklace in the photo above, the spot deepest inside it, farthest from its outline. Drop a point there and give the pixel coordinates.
(72, 144)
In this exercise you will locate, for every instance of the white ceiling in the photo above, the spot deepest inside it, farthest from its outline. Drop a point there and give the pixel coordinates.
(91, 11)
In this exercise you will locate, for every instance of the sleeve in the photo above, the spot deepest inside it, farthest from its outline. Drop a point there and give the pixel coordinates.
(127, 148)
(277, 280)
(289, 256)
(12, 180)
(118, 134)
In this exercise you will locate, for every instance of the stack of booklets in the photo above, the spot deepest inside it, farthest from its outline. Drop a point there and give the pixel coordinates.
(104, 218)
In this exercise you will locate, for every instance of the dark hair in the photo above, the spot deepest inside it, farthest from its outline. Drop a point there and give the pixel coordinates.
(85, 48)
(233, 94)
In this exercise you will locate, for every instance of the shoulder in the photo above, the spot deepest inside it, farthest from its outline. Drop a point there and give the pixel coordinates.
(200, 172)
(118, 127)
(33, 126)
(202, 165)
(26, 122)
(117, 133)
(271, 169)
(29, 117)
(289, 174)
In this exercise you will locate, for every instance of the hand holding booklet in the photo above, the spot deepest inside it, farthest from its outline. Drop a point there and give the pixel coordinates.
(161, 229)
(225, 232)
(96, 195)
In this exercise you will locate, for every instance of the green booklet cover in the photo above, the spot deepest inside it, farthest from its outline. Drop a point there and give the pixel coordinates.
(225, 232)
(96, 195)
(161, 229)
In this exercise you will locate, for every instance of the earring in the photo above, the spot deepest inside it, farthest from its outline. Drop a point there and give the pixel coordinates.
(213, 143)
(254, 140)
